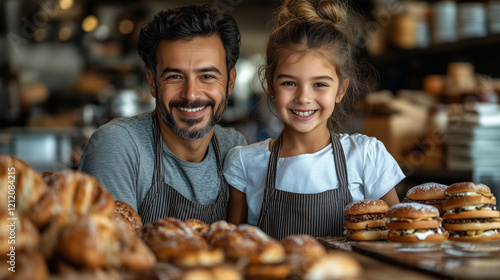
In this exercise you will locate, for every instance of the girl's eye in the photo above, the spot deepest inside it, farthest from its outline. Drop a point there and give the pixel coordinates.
(320, 85)
(288, 83)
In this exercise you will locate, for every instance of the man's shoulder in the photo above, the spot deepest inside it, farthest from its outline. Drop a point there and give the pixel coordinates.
(229, 137)
(137, 125)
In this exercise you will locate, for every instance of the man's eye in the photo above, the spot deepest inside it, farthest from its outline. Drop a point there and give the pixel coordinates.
(173, 77)
(207, 76)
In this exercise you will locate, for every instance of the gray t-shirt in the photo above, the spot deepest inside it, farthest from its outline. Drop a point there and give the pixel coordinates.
(120, 154)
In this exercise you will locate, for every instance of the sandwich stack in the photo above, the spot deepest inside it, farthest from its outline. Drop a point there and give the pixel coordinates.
(471, 213)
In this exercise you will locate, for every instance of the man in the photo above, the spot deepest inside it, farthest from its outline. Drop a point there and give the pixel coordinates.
(169, 162)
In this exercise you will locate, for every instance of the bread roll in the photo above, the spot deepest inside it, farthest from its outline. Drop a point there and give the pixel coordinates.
(76, 194)
(198, 226)
(126, 216)
(170, 238)
(26, 235)
(303, 245)
(95, 242)
(29, 265)
(20, 185)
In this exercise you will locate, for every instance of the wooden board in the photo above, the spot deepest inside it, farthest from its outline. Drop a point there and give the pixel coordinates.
(450, 260)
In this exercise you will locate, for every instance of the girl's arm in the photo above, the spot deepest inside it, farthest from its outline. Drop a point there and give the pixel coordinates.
(238, 208)
(391, 197)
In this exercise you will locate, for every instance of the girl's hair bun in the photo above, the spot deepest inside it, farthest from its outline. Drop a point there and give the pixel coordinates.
(312, 10)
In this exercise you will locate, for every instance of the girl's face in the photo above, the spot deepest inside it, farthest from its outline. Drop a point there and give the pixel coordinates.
(306, 89)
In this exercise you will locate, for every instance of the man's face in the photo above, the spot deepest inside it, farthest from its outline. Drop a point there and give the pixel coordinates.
(191, 84)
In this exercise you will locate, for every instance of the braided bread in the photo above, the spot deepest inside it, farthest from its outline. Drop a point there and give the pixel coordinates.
(75, 194)
(94, 241)
(20, 185)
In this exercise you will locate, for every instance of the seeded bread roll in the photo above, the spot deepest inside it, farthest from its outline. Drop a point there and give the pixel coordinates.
(21, 186)
(126, 216)
(76, 194)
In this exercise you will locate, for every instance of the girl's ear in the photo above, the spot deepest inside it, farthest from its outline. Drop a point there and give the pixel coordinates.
(342, 91)
(151, 82)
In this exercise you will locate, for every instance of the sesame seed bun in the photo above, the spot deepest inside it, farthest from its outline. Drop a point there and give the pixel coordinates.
(427, 191)
(366, 206)
(495, 235)
(472, 214)
(411, 211)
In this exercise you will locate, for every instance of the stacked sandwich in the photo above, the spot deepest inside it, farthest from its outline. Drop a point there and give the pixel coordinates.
(471, 213)
(414, 222)
(365, 220)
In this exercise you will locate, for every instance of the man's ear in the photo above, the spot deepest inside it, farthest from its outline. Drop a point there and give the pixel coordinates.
(151, 82)
(232, 80)
(342, 91)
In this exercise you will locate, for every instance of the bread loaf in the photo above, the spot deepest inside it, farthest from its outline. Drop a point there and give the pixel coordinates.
(20, 185)
(76, 194)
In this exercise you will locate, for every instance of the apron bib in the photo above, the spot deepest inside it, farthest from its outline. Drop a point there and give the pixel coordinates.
(319, 214)
(162, 200)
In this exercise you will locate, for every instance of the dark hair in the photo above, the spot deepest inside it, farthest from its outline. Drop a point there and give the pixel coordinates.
(185, 23)
(322, 26)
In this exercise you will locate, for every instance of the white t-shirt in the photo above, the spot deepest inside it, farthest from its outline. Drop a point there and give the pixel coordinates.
(371, 171)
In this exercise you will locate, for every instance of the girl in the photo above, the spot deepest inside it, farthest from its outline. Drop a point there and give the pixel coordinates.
(300, 182)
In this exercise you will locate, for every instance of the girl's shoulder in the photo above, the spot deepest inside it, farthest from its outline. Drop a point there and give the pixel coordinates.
(257, 148)
(358, 139)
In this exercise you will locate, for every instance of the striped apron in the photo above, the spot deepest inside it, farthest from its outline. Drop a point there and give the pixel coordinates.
(318, 214)
(162, 200)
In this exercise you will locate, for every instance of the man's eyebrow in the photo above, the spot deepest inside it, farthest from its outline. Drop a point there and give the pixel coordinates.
(201, 70)
(209, 69)
(168, 69)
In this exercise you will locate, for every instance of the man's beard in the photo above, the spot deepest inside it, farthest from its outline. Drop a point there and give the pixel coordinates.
(168, 118)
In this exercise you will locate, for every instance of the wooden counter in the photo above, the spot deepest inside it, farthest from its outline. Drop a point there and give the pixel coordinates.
(446, 260)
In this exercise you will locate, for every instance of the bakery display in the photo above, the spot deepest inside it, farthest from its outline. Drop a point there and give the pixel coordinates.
(414, 222)
(365, 220)
(428, 193)
(471, 213)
